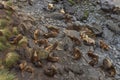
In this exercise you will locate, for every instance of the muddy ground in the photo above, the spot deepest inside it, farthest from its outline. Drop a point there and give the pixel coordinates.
(101, 17)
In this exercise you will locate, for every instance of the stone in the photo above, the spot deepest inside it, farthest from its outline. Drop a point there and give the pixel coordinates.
(112, 26)
(68, 7)
(106, 6)
(79, 14)
(77, 25)
(97, 29)
(75, 68)
(67, 44)
(72, 33)
(115, 16)
(107, 32)
(55, 15)
(110, 5)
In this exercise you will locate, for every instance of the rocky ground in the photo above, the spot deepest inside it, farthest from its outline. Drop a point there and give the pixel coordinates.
(60, 37)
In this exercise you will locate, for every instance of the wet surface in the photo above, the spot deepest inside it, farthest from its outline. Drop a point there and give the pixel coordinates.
(98, 16)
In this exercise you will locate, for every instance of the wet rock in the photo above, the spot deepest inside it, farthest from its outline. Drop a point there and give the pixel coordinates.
(44, 29)
(116, 40)
(55, 15)
(114, 2)
(53, 28)
(74, 18)
(113, 26)
(91, 74)
(119, 24)
(31, 44)
(79, 14)
(118, 46)
(110, 6)
(107, 32)
(68, 7)
(61, 33)
(72, 33)
(67, 44)
(50, 71)
(97, 29)
(51, 34)
(74, 71)
(107, 6)
(85, 72)
(37, 64)
(114, 16)
(70, 76)
(60, 68)
(75, 68)
(77, 25)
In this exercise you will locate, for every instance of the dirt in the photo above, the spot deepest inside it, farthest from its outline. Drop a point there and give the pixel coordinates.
(101, 17)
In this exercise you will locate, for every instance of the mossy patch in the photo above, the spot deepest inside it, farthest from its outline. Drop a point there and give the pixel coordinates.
(3, 39)
(86, 15)
(11, 59)
(6, 32)
(42, 54)
(15, 31)
(3, 23)
(5, 75)
(9, 3)
(2, 46)
(23, 41)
